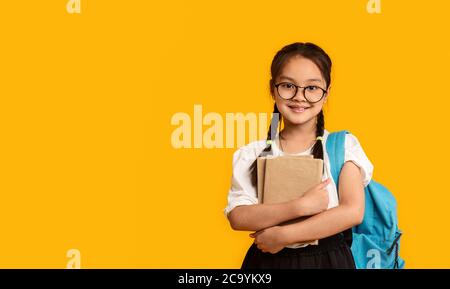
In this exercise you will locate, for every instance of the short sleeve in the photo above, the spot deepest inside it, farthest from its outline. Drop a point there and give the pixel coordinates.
(355, 153)
(241, 192)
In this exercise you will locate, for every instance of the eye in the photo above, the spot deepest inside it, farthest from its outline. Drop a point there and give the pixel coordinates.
(312, 87)
(287, 85)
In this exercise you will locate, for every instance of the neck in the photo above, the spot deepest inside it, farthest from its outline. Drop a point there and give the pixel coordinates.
(304, 131)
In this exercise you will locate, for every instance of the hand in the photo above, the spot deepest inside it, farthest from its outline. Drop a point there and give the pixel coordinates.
(270, 240)
(315, 200)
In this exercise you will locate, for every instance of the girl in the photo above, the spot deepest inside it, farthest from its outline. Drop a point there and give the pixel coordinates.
(299, 86)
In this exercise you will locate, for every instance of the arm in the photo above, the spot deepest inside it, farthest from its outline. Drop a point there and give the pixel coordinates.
(260, 216)
(349, 213)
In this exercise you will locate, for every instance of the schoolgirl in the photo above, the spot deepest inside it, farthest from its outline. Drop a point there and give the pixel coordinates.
(299, 85)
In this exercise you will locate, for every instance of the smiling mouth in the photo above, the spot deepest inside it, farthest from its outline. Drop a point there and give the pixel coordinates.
(296, 108)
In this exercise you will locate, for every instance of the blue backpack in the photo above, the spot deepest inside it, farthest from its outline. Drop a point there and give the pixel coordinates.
(375, 242)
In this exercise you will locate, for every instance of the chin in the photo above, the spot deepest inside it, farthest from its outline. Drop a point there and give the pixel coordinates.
(297, 120)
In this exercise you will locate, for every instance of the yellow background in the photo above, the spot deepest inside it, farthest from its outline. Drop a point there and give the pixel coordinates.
(86, 102)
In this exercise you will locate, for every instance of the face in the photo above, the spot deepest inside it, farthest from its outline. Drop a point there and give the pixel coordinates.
(302, 72)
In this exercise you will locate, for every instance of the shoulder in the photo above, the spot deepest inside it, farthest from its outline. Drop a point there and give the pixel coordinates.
(351, 141)
(356, 154)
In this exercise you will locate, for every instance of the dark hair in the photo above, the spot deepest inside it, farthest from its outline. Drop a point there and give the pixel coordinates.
(323, 62)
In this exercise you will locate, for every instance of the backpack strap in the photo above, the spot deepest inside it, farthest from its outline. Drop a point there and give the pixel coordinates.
(335, 146)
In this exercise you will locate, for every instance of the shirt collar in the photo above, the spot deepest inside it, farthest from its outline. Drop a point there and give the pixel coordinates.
(277, 151)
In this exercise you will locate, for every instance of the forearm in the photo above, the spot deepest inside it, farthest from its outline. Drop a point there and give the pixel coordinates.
(323, 225)
(261, 216)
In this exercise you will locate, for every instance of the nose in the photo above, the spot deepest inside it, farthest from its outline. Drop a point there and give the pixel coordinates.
(300, 95)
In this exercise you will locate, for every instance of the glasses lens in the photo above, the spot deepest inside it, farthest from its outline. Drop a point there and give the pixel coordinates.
(286, 90)
(313, 93)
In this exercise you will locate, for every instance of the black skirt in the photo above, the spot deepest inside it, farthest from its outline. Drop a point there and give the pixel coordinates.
(331, 253)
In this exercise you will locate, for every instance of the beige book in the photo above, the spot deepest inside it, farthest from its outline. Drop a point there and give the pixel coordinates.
(285, 178)
(261, 168)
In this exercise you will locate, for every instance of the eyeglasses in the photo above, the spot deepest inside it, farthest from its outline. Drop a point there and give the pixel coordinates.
(312, 93)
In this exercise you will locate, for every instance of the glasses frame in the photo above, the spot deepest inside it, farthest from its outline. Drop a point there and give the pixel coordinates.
(296, 91)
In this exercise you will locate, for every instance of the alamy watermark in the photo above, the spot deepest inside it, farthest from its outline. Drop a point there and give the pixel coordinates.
(74, 261)
(374, 257)
(212, 130)
(373, 6)
(73, 7)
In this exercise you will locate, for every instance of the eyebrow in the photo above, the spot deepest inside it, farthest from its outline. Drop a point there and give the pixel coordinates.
(307, 80)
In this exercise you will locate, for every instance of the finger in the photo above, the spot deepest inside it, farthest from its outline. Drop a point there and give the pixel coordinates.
(255, 234)
(323, 184)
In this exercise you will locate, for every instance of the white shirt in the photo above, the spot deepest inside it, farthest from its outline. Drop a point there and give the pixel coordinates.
(242, 192)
